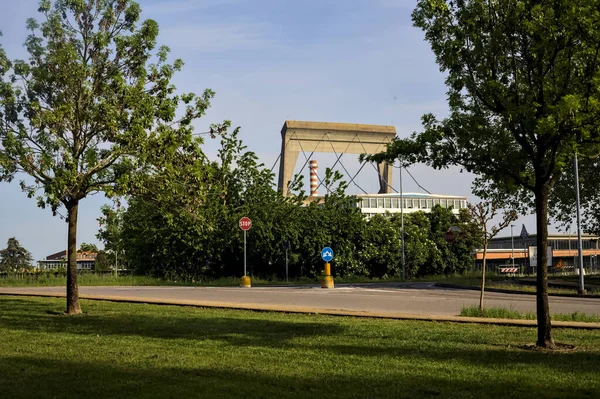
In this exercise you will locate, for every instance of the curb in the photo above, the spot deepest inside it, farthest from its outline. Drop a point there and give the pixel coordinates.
(327, 312)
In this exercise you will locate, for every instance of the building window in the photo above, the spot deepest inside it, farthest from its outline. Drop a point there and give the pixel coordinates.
(387, 203)
(394, 202)
(429, 204)
(379, 202)
(365, 203)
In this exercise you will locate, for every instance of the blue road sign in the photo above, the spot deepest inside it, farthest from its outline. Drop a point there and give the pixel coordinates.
(327, 254)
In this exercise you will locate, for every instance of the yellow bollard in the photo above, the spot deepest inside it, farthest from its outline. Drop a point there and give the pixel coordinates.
(245, 282)
(327, 281)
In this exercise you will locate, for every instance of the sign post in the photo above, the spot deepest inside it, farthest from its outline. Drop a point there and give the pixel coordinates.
(287, 246)
(245, 225)
(327, 256)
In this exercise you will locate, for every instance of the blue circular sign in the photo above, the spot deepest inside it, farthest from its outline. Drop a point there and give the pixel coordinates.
(327, 254)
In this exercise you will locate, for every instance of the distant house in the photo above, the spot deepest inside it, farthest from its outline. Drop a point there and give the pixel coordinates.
(85, 260)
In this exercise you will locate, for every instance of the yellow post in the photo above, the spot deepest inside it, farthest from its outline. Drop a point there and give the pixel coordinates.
(245, 282)
(327, 281)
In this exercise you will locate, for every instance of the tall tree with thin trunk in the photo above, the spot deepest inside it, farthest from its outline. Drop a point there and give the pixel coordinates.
(523, 82)
(91, 110)
(483, 213)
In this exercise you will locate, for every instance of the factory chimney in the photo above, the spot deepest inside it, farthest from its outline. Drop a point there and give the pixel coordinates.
(314, 180)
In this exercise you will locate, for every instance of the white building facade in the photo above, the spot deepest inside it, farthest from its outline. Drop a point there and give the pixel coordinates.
(374, 204)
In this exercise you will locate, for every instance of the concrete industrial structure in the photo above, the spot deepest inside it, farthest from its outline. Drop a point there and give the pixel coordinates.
(337, 138)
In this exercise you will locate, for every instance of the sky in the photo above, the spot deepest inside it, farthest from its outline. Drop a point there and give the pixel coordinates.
(353, 61)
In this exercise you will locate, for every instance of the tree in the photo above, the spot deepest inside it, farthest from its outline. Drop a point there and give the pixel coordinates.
(14, 257)
(110, 233)
(522, 78)
(85, 247)
(563, 209)
(91, 110)
(102, 263)
(483, 213)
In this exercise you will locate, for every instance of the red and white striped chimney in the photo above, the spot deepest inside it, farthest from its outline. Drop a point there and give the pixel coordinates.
(314, 180)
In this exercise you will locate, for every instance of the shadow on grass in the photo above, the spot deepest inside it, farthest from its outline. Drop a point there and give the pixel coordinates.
(24, 314)
(442, 361)
(43, 378)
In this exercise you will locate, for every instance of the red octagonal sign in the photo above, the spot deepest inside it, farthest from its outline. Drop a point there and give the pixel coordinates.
(450, 236)
(245, 223)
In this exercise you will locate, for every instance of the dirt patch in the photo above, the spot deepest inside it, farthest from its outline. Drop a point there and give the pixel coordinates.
(558, 347)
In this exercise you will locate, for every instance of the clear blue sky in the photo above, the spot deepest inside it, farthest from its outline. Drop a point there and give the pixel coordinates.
(357, 61)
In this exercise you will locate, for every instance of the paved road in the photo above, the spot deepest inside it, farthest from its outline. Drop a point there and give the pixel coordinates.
(416, 298)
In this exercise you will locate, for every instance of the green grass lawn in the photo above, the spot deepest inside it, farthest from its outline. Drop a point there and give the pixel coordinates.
(120, 350)
(509, 313)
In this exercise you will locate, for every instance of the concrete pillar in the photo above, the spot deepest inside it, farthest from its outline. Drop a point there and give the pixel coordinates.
(385, 178)
(287, 163)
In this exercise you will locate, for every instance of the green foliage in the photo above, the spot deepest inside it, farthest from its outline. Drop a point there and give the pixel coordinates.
(110, 233)
(14, 257)
(188, 229)
(85, 247)
(92, 110)
(523, 83)
(93, 105)
(102, 263)
(564, 195)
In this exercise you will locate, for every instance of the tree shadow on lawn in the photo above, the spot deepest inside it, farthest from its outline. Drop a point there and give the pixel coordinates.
(439, 344)
(256, 329)
(498, 357)
(51, 378)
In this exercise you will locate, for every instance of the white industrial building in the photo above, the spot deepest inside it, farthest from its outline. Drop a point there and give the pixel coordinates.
(374, 204)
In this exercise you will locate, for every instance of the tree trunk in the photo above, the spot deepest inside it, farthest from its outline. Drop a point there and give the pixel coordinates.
(483, 278)
(543, 310)
(73, 307)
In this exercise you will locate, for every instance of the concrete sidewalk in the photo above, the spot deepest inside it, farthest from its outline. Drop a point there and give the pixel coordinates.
(308, 310)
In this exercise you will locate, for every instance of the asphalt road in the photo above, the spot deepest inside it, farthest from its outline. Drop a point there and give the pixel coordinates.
(416, 298)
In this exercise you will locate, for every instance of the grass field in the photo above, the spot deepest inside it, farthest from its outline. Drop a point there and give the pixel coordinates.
(120, 350)
(508, 313)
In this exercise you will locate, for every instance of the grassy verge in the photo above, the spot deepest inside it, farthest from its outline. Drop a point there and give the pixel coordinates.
(508, 313)
(120, 350)
(473, 282)
(111, 280)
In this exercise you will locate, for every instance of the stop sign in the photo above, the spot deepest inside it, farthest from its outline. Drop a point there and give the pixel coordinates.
(245, 223)
(449, 236)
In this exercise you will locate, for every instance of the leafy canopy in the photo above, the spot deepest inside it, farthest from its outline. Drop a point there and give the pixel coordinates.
(93, 106)
(523, 90)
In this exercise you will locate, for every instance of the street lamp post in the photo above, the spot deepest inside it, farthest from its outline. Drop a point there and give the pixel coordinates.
(512, 245)
(580, 249)
(402, 223)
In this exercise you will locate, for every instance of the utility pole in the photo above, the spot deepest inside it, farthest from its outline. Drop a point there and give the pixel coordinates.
(512, 245)
(580, 249)
(402, 223)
